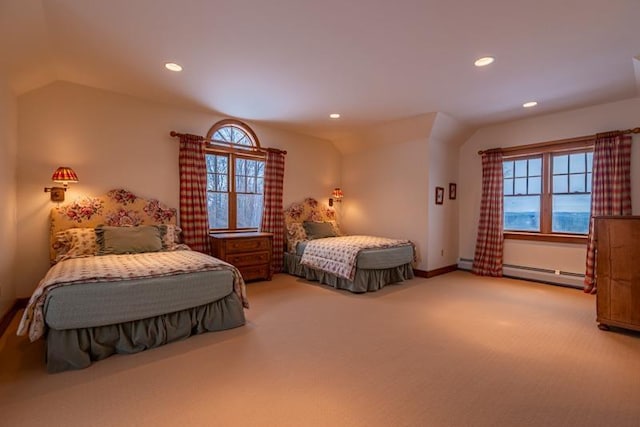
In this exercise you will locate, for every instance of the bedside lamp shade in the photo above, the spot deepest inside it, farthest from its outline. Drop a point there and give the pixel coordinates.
(336, 196)
(63, 175)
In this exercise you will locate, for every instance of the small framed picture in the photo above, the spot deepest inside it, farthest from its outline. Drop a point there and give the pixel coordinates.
(452, 191)
(439, 195)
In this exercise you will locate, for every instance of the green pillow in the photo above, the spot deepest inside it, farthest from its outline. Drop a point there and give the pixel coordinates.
(128, 240)
(318, 230)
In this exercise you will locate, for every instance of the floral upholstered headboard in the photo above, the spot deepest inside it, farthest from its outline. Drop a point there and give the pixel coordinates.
(116, 208)
(309, 210)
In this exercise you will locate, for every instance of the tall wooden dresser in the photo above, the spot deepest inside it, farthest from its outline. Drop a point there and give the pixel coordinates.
(249, 252)
(618, 271)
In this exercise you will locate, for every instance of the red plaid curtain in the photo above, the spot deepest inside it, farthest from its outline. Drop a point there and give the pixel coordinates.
(610, 189)
(487, 260)
(272, 213)
(194, 218)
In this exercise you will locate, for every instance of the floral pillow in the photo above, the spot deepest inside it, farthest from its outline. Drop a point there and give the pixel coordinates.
(171, 237)
(295, 234)
(75, 243)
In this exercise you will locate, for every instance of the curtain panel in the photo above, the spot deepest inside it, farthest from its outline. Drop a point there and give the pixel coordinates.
(272, 213)
(487, 260)
(194, 217)
(610, 190)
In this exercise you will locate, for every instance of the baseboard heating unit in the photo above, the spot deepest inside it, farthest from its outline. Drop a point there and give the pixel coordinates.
(554, 277)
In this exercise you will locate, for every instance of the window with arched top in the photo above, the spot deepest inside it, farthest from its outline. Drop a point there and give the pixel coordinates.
(235, 177)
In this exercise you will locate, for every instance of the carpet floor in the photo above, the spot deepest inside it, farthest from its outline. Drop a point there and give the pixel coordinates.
(454, 350)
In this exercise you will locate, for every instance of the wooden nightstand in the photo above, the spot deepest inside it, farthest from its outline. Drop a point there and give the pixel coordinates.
(249, 252)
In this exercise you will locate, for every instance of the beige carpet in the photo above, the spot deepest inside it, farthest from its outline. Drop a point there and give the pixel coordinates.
(455, 350)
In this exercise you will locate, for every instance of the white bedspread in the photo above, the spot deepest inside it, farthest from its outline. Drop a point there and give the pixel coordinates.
(337, 255)
(111, 268)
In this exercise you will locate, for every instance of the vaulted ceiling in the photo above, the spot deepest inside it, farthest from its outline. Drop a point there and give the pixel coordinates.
(292, 62)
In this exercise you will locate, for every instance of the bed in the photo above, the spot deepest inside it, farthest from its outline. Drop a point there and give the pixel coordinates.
(121, 282)
(318, 251)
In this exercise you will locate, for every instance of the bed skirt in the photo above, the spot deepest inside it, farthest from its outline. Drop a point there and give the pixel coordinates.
(365, 280)
(77, 348)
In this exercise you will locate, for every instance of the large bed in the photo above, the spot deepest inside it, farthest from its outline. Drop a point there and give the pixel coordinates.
(121, 282)
(318, 251)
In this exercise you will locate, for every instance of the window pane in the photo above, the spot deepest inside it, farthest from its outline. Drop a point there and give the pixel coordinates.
(589, 183)
(251, 167)
(211, 163)
(521, 167)
(260, 183)
(560, 184)
(507, 169)
(251, 185)
(576, 183)
(560, 164)
(240, 166)
(222, 164)
(535, 167)
(577, 163)
(249, 211)
(522, 213)
(222, 183)
(241, 184)
(535, 185)
(589, 161)
(570, 213)
(260, 168)
(520, 186)
(508, 187)
(218, 206)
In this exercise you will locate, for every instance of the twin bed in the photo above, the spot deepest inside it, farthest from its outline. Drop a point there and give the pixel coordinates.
(316, 250)
(122, 283)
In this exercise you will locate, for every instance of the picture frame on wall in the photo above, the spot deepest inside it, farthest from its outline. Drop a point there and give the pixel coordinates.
(439, 195)
(452, 190)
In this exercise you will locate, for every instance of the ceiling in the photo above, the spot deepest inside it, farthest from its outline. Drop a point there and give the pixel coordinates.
(290, 63)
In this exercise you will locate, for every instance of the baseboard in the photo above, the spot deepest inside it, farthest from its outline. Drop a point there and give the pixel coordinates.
(18, 305)
(436, 272)
(534, 274)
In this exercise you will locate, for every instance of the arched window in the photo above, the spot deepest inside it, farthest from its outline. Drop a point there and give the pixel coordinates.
(235, 177)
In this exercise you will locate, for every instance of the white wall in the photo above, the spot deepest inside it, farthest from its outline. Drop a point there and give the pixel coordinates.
(587, 121)
(113, 141)
(8, 223)
(386, 183)
(445, 139)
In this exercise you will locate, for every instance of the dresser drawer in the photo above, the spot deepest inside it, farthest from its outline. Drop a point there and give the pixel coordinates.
(253, 258)
(255, 272)
(245, 245)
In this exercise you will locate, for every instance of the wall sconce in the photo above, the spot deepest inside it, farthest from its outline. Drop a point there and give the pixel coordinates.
(63, 175)
(336, 196)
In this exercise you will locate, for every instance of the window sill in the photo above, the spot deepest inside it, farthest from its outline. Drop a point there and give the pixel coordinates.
(556, 238)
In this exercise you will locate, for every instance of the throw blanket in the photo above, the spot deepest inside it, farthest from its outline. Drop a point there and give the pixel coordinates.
(113, 268)
(338, 255)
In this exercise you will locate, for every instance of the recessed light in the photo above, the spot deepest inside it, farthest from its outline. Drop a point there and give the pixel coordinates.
(334, 116)
(173, 66)
(485, 60)
(529, 104)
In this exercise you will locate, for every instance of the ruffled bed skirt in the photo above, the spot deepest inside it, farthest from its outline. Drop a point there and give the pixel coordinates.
(364, 280)
(77, 348)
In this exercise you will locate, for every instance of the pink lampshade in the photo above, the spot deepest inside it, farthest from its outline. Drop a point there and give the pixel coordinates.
(64, 175)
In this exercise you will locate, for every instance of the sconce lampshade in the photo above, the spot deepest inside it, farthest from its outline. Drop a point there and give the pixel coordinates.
(337, 194)
(64, 175)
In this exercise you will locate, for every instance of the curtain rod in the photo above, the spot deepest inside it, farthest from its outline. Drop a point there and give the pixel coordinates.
(561, 141)
(259, 149)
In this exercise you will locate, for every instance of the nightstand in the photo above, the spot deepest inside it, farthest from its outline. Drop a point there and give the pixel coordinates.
(249, 252)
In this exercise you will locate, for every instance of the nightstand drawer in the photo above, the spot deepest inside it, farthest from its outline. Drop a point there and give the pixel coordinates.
(256, 272)
(253, 258)
(245, 245)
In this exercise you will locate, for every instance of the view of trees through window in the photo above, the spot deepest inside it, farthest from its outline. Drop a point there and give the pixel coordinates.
(568, 192)
(235, 180)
